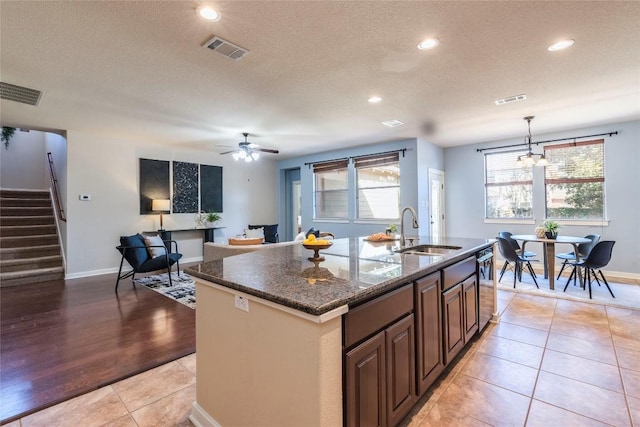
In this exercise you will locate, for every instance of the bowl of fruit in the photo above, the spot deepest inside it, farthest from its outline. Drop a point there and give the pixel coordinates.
(316, 245)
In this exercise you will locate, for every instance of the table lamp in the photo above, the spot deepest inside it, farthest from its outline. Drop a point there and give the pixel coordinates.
(162, 206)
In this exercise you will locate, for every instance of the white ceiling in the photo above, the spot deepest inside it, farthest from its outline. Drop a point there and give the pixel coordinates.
(137, 70)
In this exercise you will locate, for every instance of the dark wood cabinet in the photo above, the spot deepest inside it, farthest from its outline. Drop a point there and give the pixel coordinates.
(380, 372)
(398, 344)
(366, 396)
(401, 394)
(470, 298)
(452, 307)
(460, 307)
(429, 357)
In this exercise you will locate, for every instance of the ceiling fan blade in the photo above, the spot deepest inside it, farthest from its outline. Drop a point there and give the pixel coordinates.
(266, 150)
(229, 152)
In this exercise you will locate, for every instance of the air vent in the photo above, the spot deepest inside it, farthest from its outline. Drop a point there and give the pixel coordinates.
(19, 94)
(511, 99)
(226, 48)
(392, 123)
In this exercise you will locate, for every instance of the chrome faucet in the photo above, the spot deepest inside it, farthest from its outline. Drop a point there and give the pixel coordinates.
(415, 222)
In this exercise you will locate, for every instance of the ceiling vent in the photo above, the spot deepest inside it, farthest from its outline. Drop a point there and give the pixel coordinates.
(511, 99)
(226, 48)
(392, 123)
(19, 94)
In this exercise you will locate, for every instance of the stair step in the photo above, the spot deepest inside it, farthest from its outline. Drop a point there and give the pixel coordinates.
(15, 278)
(23, 211)
(29, 252)
(26, 220)
(12, 265)
(29, 194)
(20, 202)
(28, 241)
(26, 230)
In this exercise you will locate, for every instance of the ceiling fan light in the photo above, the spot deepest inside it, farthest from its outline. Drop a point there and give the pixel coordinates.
(247, 159)
(255, 155)
(242, 154)
(236, 156)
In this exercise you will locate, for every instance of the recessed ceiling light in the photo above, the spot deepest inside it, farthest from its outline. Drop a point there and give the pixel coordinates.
(428, 44)
(208, 13)
(374, 99)
(563, 44)
(392, 123)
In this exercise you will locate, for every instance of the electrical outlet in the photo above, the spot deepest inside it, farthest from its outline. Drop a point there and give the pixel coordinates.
(242, 303)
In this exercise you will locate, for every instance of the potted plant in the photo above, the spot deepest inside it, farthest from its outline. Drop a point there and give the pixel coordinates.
(551, 229)
(391, 229)
(212, 218)
(7, 134)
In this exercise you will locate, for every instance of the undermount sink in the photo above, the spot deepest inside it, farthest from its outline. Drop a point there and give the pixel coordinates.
(429, 250)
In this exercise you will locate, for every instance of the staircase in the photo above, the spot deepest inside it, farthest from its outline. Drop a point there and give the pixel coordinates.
(29, 244)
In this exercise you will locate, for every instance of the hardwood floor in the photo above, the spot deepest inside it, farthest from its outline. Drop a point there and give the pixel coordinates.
(61, 339)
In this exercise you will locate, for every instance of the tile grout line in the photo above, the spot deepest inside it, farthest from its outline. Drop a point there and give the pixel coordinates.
(624, 385)
(544, 350)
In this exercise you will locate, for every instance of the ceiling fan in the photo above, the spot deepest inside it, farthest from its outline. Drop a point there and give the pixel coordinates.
(248, 151)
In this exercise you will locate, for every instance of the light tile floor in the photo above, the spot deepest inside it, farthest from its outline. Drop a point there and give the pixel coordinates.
(549, 362)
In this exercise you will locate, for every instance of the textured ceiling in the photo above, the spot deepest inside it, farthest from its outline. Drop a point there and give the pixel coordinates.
(137, 70)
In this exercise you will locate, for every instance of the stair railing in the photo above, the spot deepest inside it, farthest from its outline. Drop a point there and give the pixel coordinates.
(54, 188)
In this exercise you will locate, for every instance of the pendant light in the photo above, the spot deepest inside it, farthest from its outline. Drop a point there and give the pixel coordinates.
(530, 158)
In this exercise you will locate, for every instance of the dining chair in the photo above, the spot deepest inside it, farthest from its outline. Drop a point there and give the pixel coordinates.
(583, 251)
(509, 253)
(527, 254)
(597, 259)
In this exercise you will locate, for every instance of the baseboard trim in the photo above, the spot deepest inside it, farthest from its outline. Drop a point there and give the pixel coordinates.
(113, 270)
(200, 418)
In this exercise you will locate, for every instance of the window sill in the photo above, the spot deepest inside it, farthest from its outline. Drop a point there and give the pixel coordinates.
(585, 222)
(333, 221)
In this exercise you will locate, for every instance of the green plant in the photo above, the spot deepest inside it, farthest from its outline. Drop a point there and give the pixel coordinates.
(213, 217)
(551, 226)
(7, 134)
(392, 228)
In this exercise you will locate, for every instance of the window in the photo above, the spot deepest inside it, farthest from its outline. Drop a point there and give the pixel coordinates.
(378, 186)
(574, 180)
(330, 191)
(508, 188)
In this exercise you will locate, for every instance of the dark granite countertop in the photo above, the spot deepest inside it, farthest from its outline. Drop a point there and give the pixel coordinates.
(353, 271)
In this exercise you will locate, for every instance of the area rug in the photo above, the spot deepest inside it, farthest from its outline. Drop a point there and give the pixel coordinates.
(182, 290)
(626, 295)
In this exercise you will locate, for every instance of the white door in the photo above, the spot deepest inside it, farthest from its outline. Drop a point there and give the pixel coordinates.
(436, 204)
(296, 207)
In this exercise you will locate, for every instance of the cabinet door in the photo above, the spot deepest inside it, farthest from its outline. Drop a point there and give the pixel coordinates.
(366, 383)
(470, 296)
(429, 362)
(453, 322)
(401, 390)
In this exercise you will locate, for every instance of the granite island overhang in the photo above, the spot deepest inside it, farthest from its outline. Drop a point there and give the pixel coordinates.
(277, 356)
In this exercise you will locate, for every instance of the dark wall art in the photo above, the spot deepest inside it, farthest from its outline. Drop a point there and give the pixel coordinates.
(210, 188)
(154, 183)
(185, 187)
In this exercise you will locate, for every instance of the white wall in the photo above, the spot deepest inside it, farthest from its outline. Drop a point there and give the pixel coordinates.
(107, 169)
(22, 162)
(57, 146)
(465, 193)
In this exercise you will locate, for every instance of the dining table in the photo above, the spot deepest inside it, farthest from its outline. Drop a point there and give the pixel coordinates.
(549, 252)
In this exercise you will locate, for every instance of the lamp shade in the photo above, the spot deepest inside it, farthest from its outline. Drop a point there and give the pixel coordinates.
(161, 205)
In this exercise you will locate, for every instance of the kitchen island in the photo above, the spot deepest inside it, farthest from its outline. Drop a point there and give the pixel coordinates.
(279, 337)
